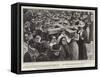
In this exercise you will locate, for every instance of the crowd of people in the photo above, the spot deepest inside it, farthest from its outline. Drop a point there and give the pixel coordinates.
(55, 35)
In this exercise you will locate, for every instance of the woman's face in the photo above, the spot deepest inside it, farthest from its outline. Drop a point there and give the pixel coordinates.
(64, 41)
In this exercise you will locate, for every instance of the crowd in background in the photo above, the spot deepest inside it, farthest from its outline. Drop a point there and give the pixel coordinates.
(56, 35)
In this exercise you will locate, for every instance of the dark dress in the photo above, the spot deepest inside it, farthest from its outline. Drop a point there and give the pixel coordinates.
(82, 46)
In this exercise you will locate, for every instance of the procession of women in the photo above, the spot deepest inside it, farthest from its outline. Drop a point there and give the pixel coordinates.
(57, 35)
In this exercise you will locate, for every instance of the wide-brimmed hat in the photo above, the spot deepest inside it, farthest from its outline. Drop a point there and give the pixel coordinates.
(81, 24)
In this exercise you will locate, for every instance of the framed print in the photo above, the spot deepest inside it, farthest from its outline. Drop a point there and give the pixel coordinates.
(49, 38)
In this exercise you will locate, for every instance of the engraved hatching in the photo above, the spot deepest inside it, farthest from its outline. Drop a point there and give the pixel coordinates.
(57, 35)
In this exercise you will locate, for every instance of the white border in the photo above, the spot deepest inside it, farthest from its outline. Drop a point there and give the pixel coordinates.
(55, 64)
